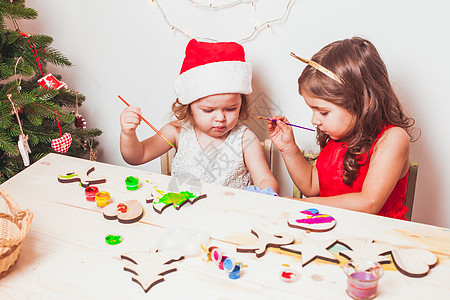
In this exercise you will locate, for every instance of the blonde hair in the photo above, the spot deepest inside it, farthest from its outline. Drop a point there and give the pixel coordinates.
(183, 113)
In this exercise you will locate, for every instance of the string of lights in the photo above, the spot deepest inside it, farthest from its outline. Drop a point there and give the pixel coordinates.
(211, 5)
(256, 28)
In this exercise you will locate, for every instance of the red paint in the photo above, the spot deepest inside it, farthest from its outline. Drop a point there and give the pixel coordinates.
(287, 275)
(90, 193)
(122, 208)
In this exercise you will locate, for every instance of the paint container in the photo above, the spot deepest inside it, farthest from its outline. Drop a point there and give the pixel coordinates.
(235, 273)
(90, 193)
(132, 183)
(362, 278)
(289, 275)
(102, 199)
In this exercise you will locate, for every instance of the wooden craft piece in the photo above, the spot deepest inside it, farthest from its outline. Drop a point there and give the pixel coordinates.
(129, 211)
(311, 219)
(413, 262)
(264, 241)
(177, 201)
(83, 178)
(366, 249)
(149, 267)
(311, 249)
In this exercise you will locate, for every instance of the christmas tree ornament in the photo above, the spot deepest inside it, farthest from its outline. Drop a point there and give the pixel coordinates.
(61, 144)
(80, 122)
(48, 81)
(92, 154)
(22, 143)
(24, 149)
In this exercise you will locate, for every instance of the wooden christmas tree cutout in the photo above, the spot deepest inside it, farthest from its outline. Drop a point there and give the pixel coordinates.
(83, 178)
(150, 267)
(177, 200)
(311, 249)
(264, 241)
(129, 211)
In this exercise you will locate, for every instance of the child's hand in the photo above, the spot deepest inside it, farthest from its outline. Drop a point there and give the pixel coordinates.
(130, 119)
(281, 134)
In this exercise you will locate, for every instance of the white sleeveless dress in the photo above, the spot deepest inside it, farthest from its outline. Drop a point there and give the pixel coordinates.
(223, 165)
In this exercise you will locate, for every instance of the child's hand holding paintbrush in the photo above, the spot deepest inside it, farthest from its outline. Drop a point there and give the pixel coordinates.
(281, 132)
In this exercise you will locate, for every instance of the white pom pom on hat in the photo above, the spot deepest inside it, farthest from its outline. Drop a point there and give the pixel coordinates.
(212, 68)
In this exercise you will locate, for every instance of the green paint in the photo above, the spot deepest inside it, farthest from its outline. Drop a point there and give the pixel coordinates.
(113, 239)
(176, 198)
(68, 176)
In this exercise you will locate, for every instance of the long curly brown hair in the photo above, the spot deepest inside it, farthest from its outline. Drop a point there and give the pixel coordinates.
(183, 113)
(365, 92)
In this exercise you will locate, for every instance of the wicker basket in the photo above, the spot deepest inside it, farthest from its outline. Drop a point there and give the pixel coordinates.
(13, 228)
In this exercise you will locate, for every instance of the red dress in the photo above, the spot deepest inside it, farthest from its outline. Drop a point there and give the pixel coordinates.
(330, 168)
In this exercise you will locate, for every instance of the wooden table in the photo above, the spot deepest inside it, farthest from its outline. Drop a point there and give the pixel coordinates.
(64, 255)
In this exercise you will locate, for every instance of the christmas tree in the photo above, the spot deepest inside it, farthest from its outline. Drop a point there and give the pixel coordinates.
(38, 115)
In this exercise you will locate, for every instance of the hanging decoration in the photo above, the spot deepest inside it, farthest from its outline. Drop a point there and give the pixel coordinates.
(61, 144)
(92, 154)
(48, 81)
(256, 27)
(22, 144)
(80, 122)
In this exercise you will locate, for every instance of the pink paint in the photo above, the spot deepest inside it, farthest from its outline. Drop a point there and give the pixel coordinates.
(362, 285)
(362, 278)
(316, 220)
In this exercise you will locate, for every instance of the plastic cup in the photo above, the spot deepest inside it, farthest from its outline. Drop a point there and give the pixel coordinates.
(362, 278)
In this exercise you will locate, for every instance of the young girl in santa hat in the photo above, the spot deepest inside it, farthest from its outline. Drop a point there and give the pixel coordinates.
(362, 130)
(212, 144)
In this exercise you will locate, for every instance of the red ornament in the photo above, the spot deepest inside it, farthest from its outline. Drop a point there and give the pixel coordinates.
(62, 144)
(80, 122)
(50, 82)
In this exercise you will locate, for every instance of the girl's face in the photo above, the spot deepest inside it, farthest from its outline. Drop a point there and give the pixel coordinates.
(333, 120)
(216, 115)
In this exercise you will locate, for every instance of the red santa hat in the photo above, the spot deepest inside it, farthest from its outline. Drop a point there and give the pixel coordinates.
(213, 68)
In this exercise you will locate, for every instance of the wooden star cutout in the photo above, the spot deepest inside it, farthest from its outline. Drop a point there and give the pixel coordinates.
(311, 249)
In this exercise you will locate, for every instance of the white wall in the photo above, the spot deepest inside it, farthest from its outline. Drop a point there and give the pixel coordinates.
(127, 48)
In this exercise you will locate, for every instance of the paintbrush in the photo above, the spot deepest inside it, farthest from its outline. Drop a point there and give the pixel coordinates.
(148, 123)
(273, 120)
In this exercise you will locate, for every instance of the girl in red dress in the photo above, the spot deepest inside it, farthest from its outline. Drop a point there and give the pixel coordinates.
(362, 130)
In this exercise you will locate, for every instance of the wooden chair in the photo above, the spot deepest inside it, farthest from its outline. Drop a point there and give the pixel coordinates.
(410, 189)
(166, 158)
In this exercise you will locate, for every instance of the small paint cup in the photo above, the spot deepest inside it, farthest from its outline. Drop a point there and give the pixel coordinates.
(90, 193)
(102, 198)
(235, 273)
(132, 183)
(289, 275)
(362, 278)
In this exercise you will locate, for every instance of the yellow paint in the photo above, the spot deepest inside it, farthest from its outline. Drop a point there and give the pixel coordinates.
(102, 199)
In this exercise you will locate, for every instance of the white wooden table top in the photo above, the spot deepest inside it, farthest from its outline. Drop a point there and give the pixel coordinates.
(64, 255)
